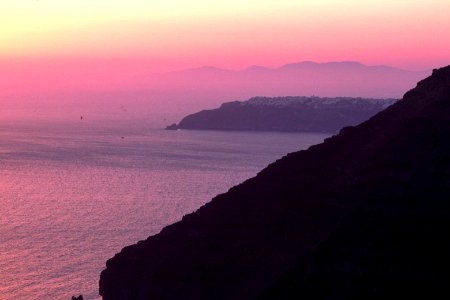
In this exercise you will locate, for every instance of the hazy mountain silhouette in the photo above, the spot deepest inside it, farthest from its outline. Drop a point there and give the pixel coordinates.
(332, 79)
(364, 215)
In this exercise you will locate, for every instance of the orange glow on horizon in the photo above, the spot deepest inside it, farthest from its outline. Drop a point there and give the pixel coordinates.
(229, 33)
(105, 41)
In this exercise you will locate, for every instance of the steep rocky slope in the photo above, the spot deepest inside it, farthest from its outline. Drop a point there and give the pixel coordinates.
(302, 114)
(365, 215)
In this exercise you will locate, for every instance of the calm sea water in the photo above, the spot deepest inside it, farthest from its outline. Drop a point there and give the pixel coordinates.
(74, 194)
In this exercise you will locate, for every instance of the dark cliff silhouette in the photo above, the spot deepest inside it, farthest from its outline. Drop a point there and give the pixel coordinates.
(292, 114)
(364, 215)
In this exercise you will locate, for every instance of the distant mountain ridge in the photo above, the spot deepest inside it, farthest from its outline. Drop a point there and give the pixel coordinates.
(331, 79)
(300, 114)
(304, 65)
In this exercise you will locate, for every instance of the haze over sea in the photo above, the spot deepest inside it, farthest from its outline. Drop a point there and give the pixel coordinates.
(75, 192)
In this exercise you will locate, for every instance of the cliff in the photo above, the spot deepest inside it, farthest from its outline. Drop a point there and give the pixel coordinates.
(302, 114)
(364, 215)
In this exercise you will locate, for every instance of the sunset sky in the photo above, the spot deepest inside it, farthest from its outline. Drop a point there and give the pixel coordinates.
(138, 36)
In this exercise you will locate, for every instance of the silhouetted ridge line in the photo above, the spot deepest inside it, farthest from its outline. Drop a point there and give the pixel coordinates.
(292, 114)
(365, 215)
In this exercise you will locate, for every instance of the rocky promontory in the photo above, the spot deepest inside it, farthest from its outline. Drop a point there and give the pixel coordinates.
(291, 114)
(364, 215)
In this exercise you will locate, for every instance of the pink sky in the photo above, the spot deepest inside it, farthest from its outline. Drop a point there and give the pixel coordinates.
(102, 43)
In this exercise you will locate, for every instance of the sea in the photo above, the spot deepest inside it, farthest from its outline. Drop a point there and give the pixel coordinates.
(74, 193)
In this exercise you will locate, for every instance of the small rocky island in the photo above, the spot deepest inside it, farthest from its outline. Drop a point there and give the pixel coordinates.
(364, 215)
(291, 114)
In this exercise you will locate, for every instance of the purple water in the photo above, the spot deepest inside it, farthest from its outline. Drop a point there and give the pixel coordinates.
(74, 194)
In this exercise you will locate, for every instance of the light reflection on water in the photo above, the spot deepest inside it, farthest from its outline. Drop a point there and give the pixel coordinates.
(72, 195)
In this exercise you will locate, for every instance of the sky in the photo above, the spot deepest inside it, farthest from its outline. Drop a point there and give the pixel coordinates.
(91, 38)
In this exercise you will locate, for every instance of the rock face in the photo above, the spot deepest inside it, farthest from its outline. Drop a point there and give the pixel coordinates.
(365, 215)
(302, 114)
